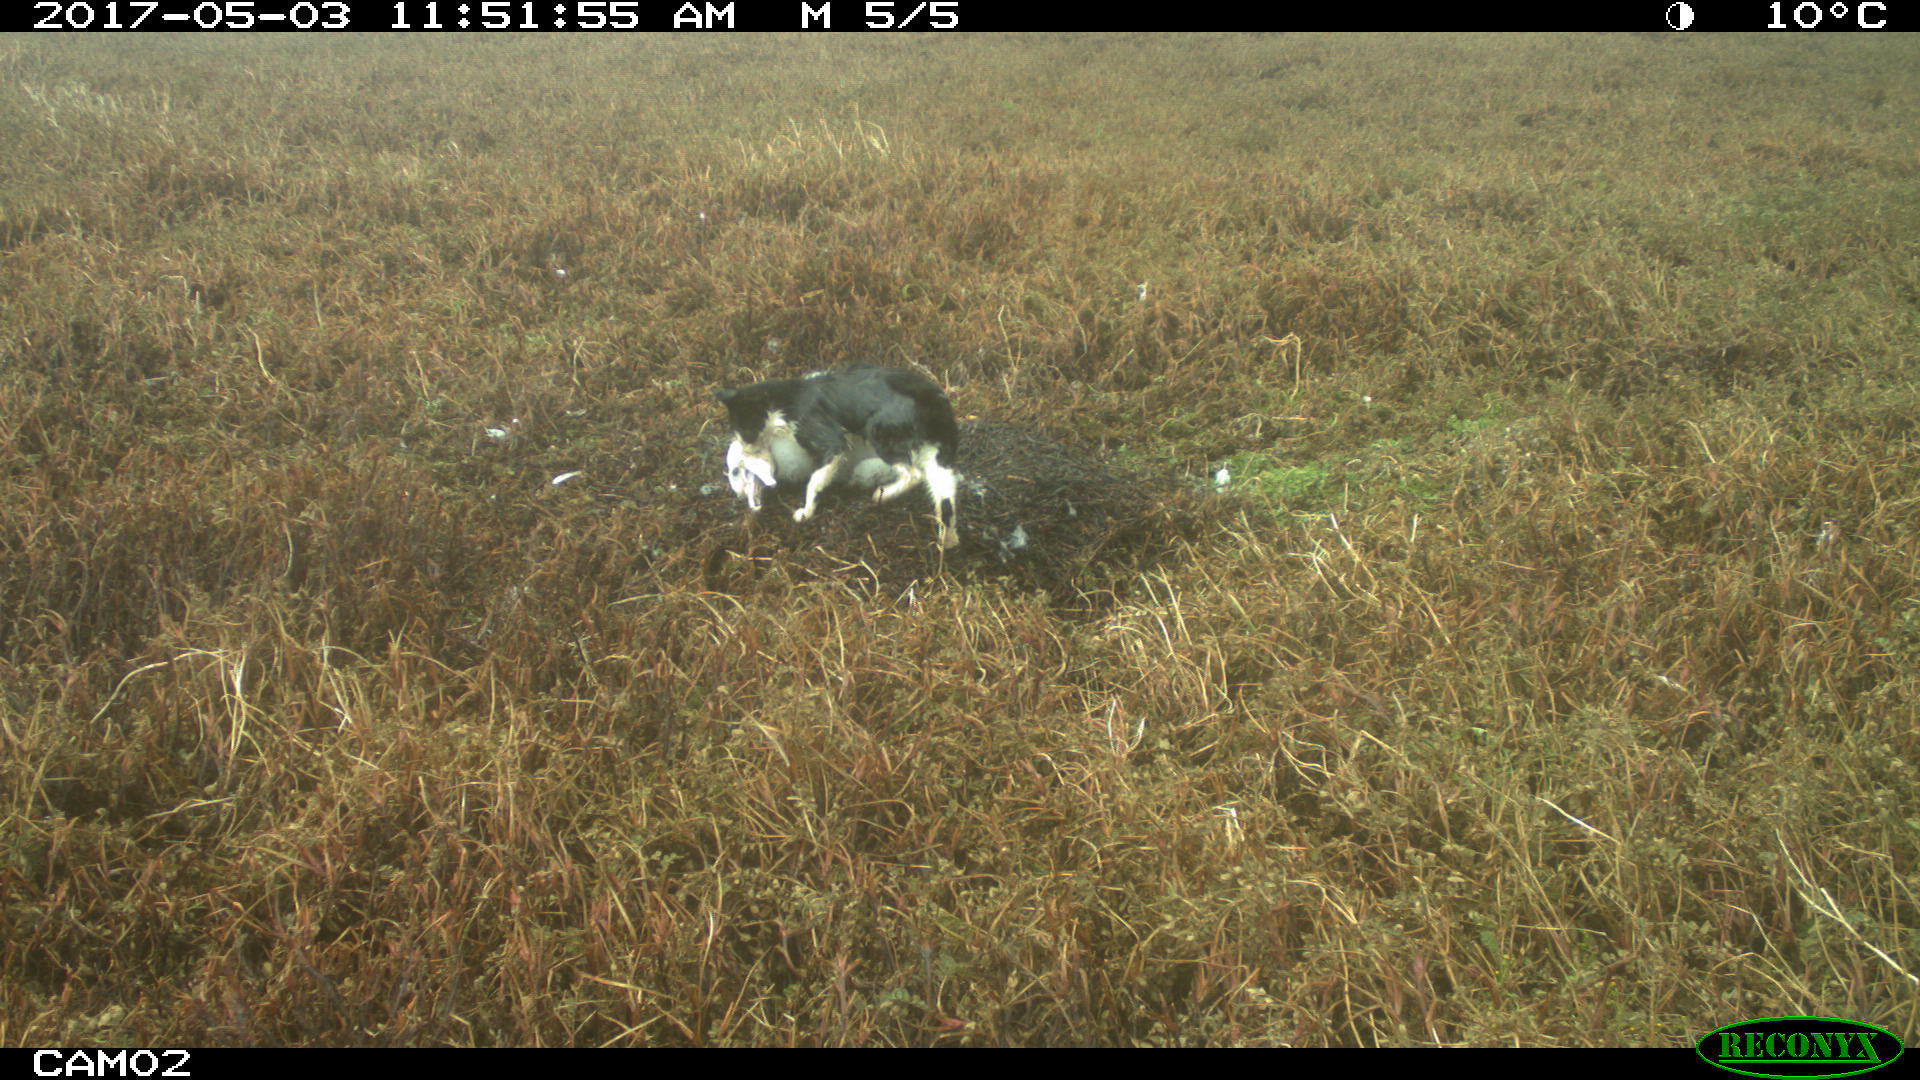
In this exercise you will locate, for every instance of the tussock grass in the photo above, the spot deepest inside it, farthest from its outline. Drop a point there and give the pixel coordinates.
(1545, 672)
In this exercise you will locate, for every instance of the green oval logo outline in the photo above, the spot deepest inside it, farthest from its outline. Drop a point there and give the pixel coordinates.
(1870, 1058)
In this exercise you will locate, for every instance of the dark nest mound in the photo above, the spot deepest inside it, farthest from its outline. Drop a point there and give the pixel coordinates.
(1034, 510)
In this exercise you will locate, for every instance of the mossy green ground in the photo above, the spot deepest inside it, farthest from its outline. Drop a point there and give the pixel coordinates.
(1547, 675)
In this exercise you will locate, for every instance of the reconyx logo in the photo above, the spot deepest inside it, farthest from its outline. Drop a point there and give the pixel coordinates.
(1800, 1047)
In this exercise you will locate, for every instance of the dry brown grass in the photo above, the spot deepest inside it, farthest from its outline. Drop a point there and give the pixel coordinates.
(1546, 674)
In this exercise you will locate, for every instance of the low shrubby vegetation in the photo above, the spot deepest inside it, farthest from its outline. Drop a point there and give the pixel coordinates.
(384, 661)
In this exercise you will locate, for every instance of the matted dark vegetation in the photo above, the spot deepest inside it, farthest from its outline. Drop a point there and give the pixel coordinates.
(384, 662)
(1042, 514)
